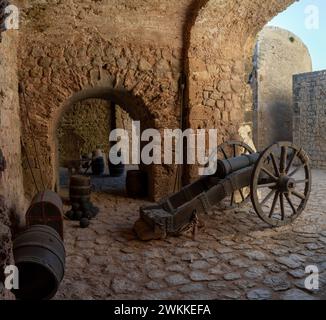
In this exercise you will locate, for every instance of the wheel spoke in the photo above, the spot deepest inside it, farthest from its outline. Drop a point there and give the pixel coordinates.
(291, 162)
(232, 199)
(268, 197)
(267, 185)
(274, 204)
(302, 181)
(283, 159)
(270, 174)
(291, 204)
(277, 171)
(242, 195)
(282, 206)
(299, 195)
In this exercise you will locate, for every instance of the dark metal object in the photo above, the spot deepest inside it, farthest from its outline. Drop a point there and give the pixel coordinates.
(46, 209)
(270, 169)
(226, 151)
(39, 254)
(228, 166)
(84, 223)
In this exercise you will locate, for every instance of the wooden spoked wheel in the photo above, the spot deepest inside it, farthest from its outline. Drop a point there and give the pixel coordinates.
(281, 184)
(225, 151)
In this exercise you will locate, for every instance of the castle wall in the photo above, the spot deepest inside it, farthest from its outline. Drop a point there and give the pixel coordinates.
(310, 115)
(279, 54)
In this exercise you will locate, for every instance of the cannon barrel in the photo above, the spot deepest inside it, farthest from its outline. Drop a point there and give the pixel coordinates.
(228, 166)
(231, 165)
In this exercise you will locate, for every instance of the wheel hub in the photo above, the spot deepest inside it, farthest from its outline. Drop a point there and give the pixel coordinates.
(286, 184)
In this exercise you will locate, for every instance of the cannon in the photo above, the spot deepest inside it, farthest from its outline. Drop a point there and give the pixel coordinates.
(277, 180)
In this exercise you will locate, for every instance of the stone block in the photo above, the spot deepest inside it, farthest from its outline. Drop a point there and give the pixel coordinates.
(224, 86)
(209, 103)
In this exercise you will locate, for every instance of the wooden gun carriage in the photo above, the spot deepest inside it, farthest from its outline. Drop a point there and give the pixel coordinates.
(277, 180)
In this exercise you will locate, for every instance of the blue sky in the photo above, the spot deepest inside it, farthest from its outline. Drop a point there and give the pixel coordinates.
(296, 20)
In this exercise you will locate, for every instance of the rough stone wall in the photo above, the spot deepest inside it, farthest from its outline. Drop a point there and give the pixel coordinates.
(124, 121)
(3, 5)
(12, 202)
(220, 53)
(88, 122)
(310, 115)
(87, 126)
(6, 256)
(279, 54)
(11, 180)
(58, 60)
(141, 47)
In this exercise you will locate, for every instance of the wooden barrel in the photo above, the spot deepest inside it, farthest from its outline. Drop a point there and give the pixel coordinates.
(39, 255)
(116, 170)
(98, 166)
(79, 189)
(136, 184)
(46, 209)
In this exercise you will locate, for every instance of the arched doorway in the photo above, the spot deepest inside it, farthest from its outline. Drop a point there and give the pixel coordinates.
(83, 132)
(219, 62)
(75, 135)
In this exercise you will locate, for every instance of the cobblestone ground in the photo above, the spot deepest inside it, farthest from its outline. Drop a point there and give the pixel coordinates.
(236, 256)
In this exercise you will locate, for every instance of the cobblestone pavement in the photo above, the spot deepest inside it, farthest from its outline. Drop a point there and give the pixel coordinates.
(236, 256)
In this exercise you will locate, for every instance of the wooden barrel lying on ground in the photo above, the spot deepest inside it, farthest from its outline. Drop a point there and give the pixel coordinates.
(79, 189)
(46, 209)
(39, 255)
(136, 184)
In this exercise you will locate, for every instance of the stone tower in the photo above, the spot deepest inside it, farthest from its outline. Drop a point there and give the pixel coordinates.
(279, 54)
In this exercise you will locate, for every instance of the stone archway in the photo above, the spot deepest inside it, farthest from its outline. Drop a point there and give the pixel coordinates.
(217, 38)
(219, 62)
(53, 71)
(49, 163)
(133, 106)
